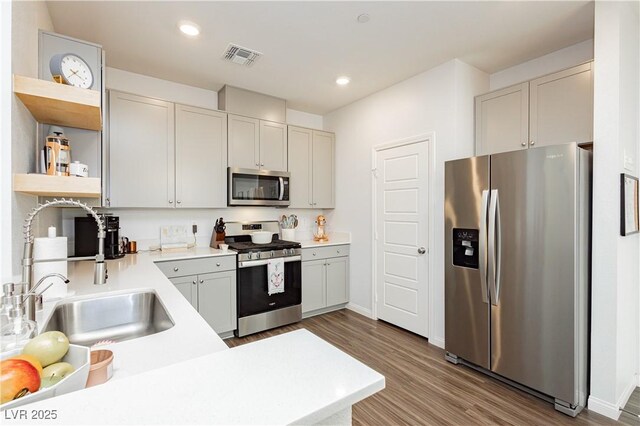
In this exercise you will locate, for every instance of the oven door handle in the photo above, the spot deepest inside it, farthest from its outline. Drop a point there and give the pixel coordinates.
(251, 263)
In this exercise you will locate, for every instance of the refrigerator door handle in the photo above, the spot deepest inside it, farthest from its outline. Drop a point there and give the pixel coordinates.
(482, 252)
(495, 247)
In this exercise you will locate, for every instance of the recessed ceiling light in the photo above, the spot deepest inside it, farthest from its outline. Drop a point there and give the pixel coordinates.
(363, 18)
(189, 28)
(343, 81)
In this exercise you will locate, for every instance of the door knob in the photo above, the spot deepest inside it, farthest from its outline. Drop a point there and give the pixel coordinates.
(422, 250)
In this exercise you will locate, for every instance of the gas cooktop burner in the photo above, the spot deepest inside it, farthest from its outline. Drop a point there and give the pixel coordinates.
(241, 245)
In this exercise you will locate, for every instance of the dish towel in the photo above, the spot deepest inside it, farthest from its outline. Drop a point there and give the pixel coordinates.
(275, 276)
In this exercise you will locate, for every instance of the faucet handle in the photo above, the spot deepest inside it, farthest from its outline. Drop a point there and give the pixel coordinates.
(8, 289)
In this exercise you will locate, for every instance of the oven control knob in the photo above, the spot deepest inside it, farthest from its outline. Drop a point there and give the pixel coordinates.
(272, 254)
(250, 255)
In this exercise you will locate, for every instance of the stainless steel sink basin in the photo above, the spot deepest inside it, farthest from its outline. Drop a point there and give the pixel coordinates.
(117, 318)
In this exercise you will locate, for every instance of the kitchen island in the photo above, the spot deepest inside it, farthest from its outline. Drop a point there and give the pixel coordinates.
(188, 375)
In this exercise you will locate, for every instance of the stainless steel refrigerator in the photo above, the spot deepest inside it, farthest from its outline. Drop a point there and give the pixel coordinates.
(517, 232)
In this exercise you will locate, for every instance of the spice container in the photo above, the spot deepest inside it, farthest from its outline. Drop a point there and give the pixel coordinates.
(101, 368)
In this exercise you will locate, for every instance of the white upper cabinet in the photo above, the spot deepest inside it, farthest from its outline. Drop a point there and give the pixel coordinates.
(550, 110)
(273, 145)
(244, 142)
(257, 144)
(300, 167)
(561, 108)
(141, 152)
(312, 168)
(201, 157)
(502, 122)
(323, 170)
(165, 155)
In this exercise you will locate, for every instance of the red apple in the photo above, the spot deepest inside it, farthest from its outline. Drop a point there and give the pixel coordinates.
(16, 377)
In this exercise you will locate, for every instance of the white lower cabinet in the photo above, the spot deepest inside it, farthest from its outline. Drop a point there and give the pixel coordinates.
(212, 294)
(325, 279)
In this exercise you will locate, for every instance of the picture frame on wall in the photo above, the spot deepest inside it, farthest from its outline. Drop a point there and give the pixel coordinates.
(629, 209)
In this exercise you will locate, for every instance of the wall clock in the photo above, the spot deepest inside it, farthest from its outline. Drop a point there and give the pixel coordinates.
(72, 69)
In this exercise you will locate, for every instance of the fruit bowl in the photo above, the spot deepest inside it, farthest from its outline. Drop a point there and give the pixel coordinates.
(78, 356)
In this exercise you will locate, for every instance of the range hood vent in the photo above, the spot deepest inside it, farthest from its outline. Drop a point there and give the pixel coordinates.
(240, 55)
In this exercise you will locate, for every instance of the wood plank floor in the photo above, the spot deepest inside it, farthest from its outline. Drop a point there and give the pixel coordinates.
(421, 387)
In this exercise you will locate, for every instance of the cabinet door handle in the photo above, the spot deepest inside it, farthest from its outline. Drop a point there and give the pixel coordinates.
(201, 281)
(194, 282)
(523, 144)
(261, 164)
(170, 201)
(258, 164)
(179, 202)
(532, 143)
(176, 269)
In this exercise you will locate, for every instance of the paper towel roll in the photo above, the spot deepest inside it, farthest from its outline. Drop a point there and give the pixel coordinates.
(50, 248)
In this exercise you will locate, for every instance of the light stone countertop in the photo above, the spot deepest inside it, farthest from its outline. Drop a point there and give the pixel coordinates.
(188, 375)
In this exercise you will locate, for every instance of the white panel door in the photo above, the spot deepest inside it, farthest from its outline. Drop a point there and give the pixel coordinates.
(273, 146)
(502, 120)
(201, 158)
(244, 142)
(141, 151)
(217, 300)
(337, 271)
(561, 108)
(300, 167)
(313, 285)
(323, 170)
(188, 286)
(401, 236)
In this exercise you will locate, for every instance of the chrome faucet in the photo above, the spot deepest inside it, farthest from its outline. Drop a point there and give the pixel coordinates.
(100, 270)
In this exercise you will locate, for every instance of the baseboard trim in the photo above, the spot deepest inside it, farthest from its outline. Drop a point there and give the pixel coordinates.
(624, 398)
(360, 310)
(603, 407)
(437, 341)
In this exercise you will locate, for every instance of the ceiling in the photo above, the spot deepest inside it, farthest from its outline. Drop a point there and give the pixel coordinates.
(307, 45)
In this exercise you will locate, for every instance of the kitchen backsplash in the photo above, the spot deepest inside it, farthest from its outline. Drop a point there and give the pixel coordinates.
(143, 225)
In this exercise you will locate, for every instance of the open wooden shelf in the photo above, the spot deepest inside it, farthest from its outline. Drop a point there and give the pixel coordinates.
(54, 103)
(57, 186)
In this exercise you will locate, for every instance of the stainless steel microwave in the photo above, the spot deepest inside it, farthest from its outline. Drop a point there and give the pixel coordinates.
(248, 187)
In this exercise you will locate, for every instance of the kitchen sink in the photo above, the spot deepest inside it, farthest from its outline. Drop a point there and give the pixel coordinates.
(115, 318)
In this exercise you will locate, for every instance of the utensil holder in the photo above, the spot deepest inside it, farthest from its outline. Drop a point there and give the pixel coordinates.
(289, 234)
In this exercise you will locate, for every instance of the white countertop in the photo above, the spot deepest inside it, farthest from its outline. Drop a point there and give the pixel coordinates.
(291, 378)
(337, 238)
(187, 374)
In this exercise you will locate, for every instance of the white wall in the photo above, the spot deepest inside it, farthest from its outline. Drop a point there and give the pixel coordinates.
(130, 82)
(143, 225)
(439, 100)
(555, 61)
(6, 96)
(27, 18)
(616, 279)
(304, 119)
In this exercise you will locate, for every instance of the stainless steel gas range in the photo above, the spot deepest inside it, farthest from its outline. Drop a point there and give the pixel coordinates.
(257, 310)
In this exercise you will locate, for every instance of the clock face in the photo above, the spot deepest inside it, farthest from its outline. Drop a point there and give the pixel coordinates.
(76, 71)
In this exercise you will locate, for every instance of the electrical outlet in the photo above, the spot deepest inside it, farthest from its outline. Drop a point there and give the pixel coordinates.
(194, 228)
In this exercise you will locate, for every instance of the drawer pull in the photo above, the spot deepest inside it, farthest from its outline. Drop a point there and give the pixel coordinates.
(218, 264)
(338, 251)
(176, 269)
(314, 254)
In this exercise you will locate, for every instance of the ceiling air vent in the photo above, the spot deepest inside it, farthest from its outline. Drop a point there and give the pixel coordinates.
(241, 55)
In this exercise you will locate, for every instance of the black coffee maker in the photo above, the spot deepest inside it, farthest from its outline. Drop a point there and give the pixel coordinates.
(86, 236)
